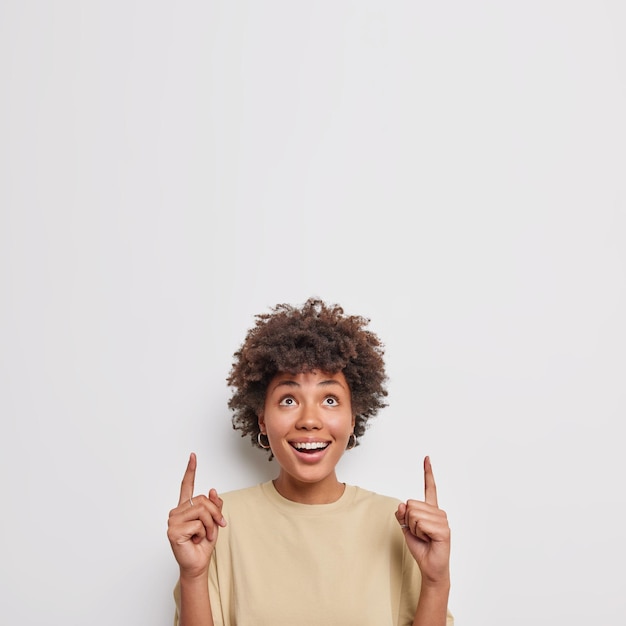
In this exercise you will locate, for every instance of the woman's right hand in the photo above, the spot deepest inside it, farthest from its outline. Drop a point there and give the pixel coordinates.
(193, 525)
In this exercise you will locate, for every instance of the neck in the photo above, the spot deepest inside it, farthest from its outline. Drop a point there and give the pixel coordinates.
(324, 492)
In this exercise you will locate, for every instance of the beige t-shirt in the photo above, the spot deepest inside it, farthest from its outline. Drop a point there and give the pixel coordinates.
(282, 563)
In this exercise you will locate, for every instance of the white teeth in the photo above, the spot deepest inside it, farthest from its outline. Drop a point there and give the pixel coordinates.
(314, 445)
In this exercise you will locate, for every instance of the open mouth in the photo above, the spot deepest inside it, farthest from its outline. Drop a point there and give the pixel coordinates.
(310, 447)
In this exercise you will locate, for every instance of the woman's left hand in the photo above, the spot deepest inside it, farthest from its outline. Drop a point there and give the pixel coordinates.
(426, 530)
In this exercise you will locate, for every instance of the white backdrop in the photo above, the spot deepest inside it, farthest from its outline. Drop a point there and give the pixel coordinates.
(452, 170)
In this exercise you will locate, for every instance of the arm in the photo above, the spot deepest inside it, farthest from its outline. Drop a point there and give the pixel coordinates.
(192, 531)
(432, 608)
(195, 605)
(427, 535)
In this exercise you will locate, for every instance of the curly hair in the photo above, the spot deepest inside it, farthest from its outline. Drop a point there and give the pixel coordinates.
(317, 336)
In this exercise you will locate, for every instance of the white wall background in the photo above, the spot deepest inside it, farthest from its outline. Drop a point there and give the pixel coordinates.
(452, 170)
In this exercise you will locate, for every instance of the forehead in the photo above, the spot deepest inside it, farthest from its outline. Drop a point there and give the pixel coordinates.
(314, 378)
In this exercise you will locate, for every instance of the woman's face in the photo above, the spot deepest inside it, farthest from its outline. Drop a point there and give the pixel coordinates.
(308, 420)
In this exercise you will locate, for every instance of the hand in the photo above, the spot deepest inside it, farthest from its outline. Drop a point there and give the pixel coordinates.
(426, 530)
(193, 525)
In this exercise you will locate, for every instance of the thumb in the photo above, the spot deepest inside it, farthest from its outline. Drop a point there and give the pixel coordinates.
(400, 515)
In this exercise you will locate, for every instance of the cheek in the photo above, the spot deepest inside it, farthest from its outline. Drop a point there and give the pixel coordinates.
(276, 423)
(343, 424)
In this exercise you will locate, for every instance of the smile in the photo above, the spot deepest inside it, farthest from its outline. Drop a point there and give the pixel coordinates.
(309, 446)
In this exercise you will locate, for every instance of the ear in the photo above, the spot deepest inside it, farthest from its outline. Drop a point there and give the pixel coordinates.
(261, 422)
(353, 421)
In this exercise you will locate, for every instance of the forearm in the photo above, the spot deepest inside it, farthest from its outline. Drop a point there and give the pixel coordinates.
(195, 604)
(432, 608)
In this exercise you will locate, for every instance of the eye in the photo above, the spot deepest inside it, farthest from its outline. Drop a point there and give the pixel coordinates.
(287, 401)
(331, 401)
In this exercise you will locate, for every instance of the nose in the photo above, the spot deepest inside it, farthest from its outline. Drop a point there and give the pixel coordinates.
(309, 418)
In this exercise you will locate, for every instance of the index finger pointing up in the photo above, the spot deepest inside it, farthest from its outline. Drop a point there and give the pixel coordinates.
(430, 489)
(186, 487)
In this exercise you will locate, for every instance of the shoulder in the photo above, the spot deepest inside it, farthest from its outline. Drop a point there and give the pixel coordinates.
(244, 501)
(243, 495)
(371, 504)
(240, 493)
(373, 498)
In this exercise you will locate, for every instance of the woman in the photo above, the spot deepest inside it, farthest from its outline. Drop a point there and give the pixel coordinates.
(306, 548)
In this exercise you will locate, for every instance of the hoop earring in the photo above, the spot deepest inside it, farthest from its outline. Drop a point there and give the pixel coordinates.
(258, 440)
(351, 441)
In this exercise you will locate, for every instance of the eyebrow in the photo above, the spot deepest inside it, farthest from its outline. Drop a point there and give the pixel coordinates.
(293, 383)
